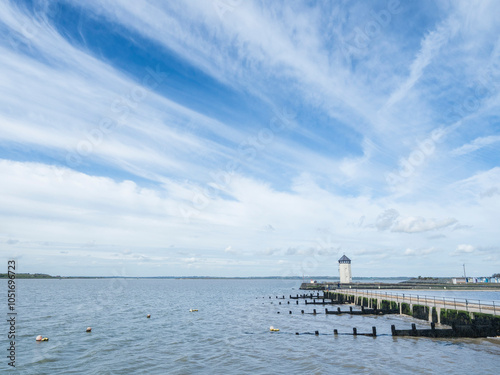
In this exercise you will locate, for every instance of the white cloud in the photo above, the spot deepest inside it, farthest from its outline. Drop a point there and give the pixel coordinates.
(464, 248)
(476, 144)
(431, 44)
(230, 250)
(419, 252)
(483, 184)
(419, 224)
(386, 219)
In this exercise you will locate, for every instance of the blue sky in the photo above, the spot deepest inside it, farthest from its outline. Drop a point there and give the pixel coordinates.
(247, 138)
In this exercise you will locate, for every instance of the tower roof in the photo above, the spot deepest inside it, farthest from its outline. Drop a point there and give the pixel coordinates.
(344, 259)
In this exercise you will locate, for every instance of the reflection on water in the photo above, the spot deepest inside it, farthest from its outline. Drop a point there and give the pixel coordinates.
(228, 334)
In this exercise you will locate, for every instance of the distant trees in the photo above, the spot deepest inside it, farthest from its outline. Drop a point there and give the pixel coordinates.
(496, 275)
(28, 276)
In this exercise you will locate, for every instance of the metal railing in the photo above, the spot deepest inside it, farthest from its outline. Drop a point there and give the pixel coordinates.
(466, 304)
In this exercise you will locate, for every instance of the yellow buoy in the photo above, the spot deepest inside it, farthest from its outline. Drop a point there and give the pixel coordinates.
(272, 329)
(193, 310)
(45, 339)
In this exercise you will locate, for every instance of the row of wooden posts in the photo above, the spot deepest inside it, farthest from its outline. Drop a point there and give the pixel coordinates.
(454, 332)
(354, 332)
(469, 330)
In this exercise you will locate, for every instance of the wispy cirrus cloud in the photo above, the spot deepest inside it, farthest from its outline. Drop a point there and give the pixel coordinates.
(476, 144)
(171, 108)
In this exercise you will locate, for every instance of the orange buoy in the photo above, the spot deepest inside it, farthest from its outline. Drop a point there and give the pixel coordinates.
(148, 316)
(39, 338)
(89, 329)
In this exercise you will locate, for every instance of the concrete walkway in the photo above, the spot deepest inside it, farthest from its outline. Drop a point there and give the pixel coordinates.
(486, 307)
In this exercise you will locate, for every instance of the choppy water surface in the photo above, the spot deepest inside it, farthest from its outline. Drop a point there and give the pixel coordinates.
(228, 335)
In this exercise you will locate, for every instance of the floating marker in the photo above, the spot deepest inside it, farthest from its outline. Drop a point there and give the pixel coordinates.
(193, 310)
(148, 316)
(89, 329)
(272, 329)
(39, 338)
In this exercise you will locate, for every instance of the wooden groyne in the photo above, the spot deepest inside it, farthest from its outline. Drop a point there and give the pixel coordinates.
(363, 311)
(310, 296)
(471, 330)
(323, 301)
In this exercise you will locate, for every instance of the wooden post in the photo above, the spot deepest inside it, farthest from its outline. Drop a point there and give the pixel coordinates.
(374, 331)
(354, 331)
(350, 308)
(335, 332)
(338, 309)
(393, 330)
(314, 311)
(290, 312)
(414, 329)
(302, 311)
(316, 332)
(326, 311)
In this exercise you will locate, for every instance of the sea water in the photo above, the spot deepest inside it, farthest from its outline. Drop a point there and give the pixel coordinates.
(229, 334)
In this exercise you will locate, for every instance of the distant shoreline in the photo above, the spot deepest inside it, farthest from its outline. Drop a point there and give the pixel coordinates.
(412, 282)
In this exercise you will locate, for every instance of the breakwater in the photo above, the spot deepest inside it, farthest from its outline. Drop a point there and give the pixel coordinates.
(467, 318)
(453, 323)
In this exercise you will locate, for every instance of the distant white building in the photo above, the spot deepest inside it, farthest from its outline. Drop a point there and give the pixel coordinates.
(345, 270)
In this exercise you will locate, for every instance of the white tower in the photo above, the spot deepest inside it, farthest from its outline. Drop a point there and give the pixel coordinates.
(345, 270)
